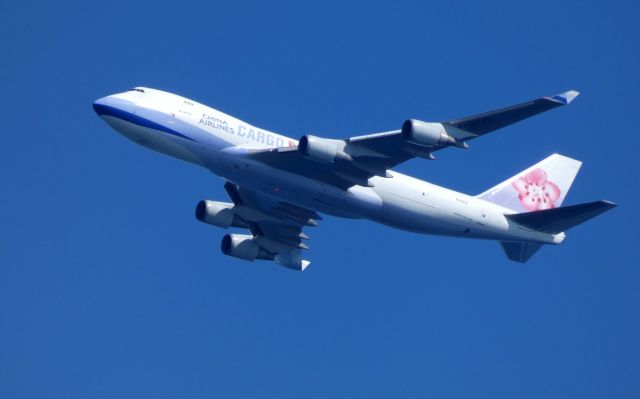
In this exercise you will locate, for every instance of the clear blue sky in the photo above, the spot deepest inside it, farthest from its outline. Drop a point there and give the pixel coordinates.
(109, 288)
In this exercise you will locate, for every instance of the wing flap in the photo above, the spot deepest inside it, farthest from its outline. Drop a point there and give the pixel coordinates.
(275, 225)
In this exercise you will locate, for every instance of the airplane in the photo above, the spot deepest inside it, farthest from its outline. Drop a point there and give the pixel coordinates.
(278, 185)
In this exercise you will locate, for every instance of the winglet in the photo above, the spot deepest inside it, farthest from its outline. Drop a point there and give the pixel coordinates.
(564, 98)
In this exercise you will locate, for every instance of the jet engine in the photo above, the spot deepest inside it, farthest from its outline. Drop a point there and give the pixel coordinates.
(219, 214)
(427, 134)
(322, 150)
(243, 246)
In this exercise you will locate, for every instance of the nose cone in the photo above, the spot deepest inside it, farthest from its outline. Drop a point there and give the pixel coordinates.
(115, 105)
(101, 105)
(119, 113)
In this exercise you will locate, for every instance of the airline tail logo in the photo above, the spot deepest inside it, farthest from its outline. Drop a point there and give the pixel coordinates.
(535, 191)
(542, 186)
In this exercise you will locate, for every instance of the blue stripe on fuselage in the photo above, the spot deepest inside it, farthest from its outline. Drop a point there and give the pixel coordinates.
(102, 109)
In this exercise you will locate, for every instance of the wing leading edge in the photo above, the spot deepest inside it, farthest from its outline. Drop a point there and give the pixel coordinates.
(353, 161)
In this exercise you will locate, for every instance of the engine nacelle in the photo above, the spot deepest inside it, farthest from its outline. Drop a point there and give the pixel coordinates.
(426, 133)
(321, 150)
(219, 214)
(243, 246)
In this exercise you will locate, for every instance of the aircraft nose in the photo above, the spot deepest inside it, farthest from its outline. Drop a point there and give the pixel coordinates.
(101, 105)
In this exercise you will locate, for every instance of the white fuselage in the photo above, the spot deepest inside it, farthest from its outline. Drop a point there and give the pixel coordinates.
(193, 132)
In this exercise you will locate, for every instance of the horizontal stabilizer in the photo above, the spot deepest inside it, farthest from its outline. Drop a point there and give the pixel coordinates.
(557, 220)
(520, 251)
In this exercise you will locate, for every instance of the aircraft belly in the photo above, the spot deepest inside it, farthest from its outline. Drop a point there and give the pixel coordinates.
(296, 189)
(408, 214)
(400, 202)
(418, 206)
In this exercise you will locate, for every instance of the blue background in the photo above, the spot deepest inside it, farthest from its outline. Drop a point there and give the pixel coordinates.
(110, 288)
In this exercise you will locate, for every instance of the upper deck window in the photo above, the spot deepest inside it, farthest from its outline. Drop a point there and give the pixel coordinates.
(136, 89)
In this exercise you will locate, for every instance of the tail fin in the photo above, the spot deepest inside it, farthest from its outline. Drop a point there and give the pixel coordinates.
(542, 186)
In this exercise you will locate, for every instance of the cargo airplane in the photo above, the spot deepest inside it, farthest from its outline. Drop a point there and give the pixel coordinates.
(278, 185)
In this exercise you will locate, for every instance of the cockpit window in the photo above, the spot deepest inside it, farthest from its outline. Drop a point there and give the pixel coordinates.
(136, 89)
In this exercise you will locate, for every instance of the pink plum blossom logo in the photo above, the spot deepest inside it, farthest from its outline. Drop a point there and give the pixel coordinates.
(535, 192)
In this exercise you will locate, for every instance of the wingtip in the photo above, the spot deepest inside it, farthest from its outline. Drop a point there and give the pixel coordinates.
(571, 95)
(565, 98)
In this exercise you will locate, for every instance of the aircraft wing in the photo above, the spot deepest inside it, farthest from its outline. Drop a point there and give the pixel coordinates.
(354, 160)
(276, 225)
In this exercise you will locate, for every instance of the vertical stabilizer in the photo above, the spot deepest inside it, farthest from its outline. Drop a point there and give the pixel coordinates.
(542, 186)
